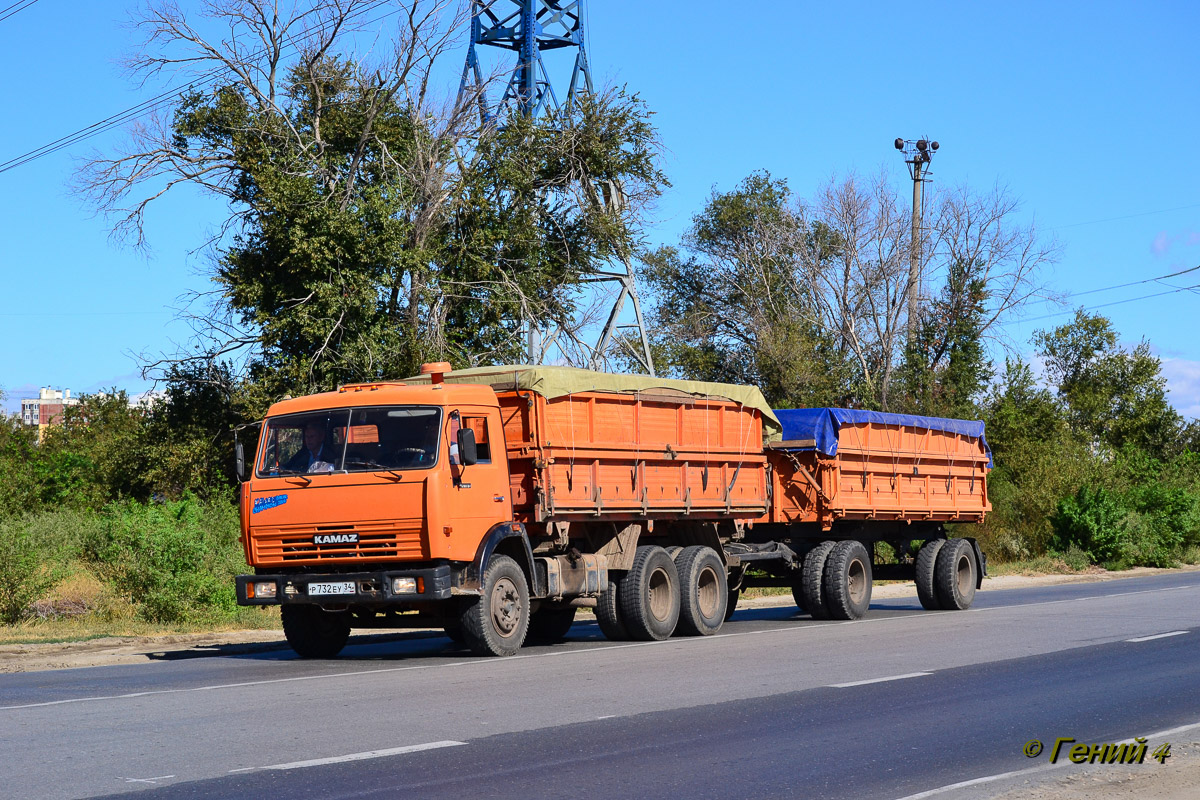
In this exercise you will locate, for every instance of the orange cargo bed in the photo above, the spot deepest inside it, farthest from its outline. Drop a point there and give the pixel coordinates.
(645, 454)
(838, 464)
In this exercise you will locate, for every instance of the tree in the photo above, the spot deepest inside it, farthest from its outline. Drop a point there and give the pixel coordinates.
(1115, 397)
(813, 294)
(1037, 461)
(731, 308)
(946, 366)
(364, 236)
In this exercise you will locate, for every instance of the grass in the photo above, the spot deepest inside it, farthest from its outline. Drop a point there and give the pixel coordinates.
(81, 608)
(87, 628)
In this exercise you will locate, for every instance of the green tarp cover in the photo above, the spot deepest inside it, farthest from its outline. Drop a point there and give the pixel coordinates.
(551, 382)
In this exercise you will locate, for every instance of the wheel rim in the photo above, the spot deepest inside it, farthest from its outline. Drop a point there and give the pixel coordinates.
(708, 592)
(659, 588)
(964, 576)
(506, 607)
(856, 580)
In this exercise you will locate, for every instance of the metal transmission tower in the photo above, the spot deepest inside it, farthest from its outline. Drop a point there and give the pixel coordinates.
(529, 27)
(917, 155)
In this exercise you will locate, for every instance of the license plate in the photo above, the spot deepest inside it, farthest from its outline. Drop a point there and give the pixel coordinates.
(340, 587)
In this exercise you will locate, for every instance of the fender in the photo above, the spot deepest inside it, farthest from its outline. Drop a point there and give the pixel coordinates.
(473, 574)
(981, 560)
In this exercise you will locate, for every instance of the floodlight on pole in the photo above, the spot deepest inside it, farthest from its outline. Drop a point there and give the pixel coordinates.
(917, 155)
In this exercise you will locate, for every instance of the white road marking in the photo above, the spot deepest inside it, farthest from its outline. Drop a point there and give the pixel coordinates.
(1156, 636)
(880, 680)
(394, 751)
(689, 641)
(243, 769)
(607, 716)
(988, 779)
(1149, 737)
(148, 780)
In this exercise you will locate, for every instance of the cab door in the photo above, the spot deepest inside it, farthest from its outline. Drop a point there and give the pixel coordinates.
(478, 497)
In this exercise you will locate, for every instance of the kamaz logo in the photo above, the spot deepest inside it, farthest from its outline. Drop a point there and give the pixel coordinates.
(336, 538)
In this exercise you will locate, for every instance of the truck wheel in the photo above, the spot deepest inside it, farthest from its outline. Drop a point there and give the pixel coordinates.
(495, 623)
(673, 551)
(798, 591)
(649, 595)
(313, 632)
(955, 574)
(454, 632)
(846, 583)
(811, 578)
(608, 614)
(550, 624)
(731, 602)
(703, 591)
(926, 561)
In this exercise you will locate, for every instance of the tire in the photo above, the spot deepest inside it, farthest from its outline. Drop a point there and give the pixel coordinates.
(926, 561)
(731, 601)
(798, 590)
(608, 614)
(703, 591)
(313, 632)
(846, 582)
(955, 575)
(550, 624)
(649, 595)
(495, 623)
(673, 551)
(811, 578)
(454, 632)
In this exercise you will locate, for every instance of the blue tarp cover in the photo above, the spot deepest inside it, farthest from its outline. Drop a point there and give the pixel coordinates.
(821, 425)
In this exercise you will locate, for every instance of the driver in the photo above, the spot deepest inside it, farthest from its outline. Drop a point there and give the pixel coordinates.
(314, 452)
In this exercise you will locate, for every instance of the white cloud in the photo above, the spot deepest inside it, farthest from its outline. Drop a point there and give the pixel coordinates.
(1183, 385)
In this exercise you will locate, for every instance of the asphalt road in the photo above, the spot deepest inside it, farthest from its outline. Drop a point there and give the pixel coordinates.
(901, 703)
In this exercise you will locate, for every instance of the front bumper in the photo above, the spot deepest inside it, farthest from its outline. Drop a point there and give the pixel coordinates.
(369, 587)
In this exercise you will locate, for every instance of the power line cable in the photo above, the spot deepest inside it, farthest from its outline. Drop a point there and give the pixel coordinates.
(1126, 216)
(147, 106)
(15, 8)
(1176, 290)
(1123, 285)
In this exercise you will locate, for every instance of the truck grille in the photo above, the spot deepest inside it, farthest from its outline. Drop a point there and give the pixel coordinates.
(398, 540)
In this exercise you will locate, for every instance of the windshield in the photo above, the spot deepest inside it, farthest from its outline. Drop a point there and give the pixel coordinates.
(351, 440)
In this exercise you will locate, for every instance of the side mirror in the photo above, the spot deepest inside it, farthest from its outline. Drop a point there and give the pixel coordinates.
(467, 452)
(239, 454)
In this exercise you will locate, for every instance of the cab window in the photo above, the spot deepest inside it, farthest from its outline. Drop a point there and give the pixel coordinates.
(479, 425)
(351, 440)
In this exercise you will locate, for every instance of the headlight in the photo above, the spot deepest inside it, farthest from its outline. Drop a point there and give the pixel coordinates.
(404, 585)
(262, 590)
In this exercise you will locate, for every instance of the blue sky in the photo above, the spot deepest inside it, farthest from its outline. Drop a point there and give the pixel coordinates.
(1087, 112)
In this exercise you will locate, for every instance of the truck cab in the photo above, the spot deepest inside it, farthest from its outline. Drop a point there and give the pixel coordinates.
(371, 503)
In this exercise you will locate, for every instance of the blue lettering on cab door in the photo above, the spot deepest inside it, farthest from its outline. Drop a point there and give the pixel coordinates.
(263, 503)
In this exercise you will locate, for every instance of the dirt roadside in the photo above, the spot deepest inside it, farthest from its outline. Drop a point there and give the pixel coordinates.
(143, 649)
(1178, 778)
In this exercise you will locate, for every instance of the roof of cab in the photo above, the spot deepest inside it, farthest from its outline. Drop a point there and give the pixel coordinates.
(386, 393)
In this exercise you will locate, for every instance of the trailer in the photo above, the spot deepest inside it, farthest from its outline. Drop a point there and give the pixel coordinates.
(494, 502)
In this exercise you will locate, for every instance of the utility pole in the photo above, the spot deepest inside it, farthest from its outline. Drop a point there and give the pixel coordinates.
(917, 155)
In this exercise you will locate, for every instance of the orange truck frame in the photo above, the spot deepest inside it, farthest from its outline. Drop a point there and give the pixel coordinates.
(494, 502)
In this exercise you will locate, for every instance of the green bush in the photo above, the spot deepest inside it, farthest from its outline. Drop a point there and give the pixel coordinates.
(1148, 524)
(34, 552)
(1093, 519)
(175, 560)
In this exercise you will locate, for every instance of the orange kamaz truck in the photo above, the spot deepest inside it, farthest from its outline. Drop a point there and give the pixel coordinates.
(493, 502)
